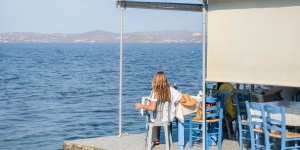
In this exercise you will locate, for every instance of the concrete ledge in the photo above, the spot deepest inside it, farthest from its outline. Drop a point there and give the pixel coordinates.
(134, 142)
(74, 146)
(129, 142)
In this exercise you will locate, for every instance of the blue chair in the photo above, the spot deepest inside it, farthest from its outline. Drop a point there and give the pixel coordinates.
(296, 97)
(240, 97)
(274, 127)
(214, 116)
(255, 122)
(222, 97)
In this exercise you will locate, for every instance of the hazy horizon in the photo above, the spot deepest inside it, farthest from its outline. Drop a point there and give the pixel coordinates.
(183, 30)
(76, 16)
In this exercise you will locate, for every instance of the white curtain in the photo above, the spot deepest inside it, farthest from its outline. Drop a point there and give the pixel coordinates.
(254, 41)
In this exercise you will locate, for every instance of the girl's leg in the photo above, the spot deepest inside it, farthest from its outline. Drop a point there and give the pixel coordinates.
(156, 133)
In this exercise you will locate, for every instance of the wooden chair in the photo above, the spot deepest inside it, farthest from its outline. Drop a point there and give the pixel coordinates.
(214, 116)
(223, 96)
(255, 123)
(276, 128)
(296, 97)
(240, 97)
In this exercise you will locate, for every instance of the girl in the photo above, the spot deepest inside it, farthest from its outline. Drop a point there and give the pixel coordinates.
(161, 91)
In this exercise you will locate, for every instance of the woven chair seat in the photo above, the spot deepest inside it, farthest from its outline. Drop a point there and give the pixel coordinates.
(215, 116)
(258, 130)
(244, 121)
(208, 120)
(288, 135)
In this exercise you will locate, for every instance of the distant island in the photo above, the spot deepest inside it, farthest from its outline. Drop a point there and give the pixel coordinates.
(99, 36)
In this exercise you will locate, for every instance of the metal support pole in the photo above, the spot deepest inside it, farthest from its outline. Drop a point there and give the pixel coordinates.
(204, 11)
(121, 66)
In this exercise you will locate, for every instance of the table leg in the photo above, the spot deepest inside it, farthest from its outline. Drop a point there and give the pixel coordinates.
(180, 135)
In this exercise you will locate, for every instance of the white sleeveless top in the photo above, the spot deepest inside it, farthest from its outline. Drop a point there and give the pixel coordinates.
(175, 97)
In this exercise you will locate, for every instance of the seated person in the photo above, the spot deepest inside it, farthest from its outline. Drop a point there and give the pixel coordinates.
(230, 115)
(224, 86)
(161, 92)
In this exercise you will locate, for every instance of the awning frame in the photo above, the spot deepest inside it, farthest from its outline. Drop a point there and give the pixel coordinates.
(160, 5)
(165, 6)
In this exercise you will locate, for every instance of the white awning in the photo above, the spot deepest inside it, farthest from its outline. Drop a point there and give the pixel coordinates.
(254, 41)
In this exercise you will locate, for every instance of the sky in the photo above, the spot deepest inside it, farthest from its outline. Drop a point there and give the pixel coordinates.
(76, 16)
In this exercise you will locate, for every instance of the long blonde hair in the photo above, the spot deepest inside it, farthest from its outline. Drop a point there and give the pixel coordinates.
(161, 87)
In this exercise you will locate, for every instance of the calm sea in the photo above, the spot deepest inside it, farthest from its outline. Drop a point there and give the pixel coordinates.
(50, 93)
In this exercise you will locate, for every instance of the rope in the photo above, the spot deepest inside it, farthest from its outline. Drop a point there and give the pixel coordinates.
(123, 134)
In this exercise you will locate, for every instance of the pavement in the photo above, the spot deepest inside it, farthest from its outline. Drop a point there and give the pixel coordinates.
(135, 142)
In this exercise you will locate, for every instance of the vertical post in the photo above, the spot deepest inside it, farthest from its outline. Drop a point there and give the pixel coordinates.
(204, 11)
(121, 66)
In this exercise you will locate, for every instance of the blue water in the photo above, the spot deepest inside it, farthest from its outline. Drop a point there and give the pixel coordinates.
(50, 93)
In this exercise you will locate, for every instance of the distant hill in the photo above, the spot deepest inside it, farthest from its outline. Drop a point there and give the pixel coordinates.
(103, 36)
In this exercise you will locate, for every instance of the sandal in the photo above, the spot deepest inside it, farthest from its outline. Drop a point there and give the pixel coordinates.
(155, 142)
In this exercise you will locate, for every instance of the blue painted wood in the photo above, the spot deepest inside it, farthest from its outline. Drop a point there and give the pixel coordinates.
(276, 125)
(211, 128)
(222, 97)
(240, 97)
(255, 121)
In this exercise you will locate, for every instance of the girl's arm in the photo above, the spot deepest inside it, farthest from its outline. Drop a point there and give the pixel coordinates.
(150, 107)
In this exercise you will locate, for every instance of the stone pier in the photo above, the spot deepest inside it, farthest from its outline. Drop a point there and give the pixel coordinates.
(134, 142)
